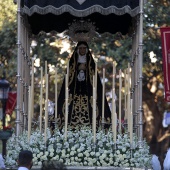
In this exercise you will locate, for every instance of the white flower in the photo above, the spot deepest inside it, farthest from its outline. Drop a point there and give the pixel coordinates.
(46, 153)
(79, 149)
(72, 153)
(123, 149)
(97, 154)
(117, 152)
(51, 154)
(39, 163)
(80, 155)
(92, 153)
(85, 163)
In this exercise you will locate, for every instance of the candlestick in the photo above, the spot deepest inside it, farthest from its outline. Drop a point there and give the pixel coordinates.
(32, 90)
(46, 108)
(96, 78)
(94, 114)
(66, 82)
(120, 88)
(95, 99)
(114, 74)
(125, 94)
(128, 98)
(56, 93)
(29, 113)
(46, 120)
(131, 123)
(68, 69)
(114, 116)
(103, 101)
(66, 114)
(41, 98)
(45, 67)
(47, 87)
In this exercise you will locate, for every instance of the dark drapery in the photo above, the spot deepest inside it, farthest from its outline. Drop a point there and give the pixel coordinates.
(107, 15)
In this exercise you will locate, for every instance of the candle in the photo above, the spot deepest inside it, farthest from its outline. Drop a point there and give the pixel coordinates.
(131, 123)
(113, 86)
(68, 69)
(32, 90)
(46, 120)
(120, 88)
(45, 67)
(66, 82)
(29, 113)
(128, 97)
(94, 117)
(125, 87)
(46, 108)
(94, 112)
(114, 74)
(66, 114)
(103, 100)
(93, 104)
(41, 98)
(55, 93)
(96, 78)
(46, 87)
(114, 116)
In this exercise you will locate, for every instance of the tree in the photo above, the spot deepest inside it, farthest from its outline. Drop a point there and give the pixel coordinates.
(113, 47)
(156, 16)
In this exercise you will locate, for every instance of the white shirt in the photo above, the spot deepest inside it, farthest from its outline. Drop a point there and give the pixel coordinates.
(23, 168)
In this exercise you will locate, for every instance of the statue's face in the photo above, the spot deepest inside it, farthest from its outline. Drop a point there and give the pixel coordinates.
(82, 49)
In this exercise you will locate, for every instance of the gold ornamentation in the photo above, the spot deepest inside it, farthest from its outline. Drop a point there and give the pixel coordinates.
(80, 113)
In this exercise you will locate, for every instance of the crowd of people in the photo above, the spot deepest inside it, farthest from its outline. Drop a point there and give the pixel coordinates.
(25, 162)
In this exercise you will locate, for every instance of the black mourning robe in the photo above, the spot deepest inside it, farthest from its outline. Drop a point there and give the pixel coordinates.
(80, 109)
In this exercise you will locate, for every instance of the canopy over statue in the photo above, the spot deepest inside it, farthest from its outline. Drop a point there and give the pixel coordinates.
(107, 15)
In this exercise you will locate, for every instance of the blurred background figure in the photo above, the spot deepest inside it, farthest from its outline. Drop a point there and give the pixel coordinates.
(53, 165)
(166, 163)
(2, 165)
(25, 160)
(155, 163)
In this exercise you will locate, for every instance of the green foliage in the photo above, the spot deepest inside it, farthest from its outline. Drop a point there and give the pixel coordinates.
(114, 47)
(8, 47)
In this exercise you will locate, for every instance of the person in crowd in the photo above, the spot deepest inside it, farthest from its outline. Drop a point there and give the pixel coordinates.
(2, 165)
(80, 86)
(25, 160)
(53, 165)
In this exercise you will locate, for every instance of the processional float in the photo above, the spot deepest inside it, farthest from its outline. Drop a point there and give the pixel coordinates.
(125, 17)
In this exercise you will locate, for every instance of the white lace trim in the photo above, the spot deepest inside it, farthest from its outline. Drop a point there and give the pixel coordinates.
(82, 59)
(80, 13)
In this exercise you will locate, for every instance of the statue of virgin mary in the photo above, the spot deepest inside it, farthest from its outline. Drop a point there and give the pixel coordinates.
(80, 85)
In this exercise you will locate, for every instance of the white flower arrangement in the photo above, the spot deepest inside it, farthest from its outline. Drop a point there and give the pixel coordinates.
(79, 149)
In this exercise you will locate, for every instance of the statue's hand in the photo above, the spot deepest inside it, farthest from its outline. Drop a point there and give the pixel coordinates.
(82, 66)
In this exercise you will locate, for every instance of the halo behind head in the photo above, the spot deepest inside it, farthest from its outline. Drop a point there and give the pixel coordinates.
(82, 30)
